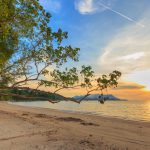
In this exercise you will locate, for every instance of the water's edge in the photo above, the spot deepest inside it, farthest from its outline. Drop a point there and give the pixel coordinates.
(123, 110)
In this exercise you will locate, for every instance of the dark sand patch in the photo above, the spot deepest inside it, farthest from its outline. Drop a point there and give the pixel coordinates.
(87, 143)
(89, 124)
(82, 122)
(70, 119)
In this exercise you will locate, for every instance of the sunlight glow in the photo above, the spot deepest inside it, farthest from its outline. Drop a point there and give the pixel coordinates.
(147, 88)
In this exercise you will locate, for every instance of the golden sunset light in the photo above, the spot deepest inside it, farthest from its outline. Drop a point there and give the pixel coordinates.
(74, 74)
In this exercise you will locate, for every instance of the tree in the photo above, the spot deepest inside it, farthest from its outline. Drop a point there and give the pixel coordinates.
(7, 37)
(29, 47)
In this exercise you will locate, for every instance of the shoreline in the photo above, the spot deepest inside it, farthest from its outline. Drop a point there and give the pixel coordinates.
(32, 128)
(81, 112)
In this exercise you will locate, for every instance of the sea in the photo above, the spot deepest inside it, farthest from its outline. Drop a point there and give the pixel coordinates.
(128, 110)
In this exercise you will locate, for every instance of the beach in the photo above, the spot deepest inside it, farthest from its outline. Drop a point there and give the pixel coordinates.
(28, 128)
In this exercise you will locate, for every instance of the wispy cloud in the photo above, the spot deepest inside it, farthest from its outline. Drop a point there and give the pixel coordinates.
(129, 86)
(51, 5)
(134, 56)
(92, 6)
(141, 77)
(129, 49)
(121, 14)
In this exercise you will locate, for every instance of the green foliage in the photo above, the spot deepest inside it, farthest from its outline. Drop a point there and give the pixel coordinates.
(29, 47)
(7, 37)
(108, 81)
(65, 78)
(25, 25)
(87, 74)
(42, 96)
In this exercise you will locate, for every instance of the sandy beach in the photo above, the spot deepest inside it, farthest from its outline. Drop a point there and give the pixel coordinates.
(24, 128)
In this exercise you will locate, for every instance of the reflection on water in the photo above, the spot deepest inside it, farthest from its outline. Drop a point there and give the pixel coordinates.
(131, 110)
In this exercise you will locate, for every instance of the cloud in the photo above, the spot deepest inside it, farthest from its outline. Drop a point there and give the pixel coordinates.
(130, 91)
(120, 14)
(129, 86)
(92, 6)
(128, 50)
(51, 5)
(85, 6)
(142, 77)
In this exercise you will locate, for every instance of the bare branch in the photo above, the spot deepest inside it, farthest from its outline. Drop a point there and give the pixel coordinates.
(88, 93)
(62, 88)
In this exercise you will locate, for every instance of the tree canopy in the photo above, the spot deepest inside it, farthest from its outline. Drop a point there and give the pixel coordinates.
(30, 49)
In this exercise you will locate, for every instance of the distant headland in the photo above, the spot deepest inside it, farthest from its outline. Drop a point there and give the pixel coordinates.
(108, 97)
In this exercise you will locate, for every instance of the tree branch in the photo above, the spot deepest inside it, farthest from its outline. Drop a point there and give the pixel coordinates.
(66, 88)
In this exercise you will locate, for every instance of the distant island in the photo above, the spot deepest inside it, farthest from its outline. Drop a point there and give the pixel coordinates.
(108, 97)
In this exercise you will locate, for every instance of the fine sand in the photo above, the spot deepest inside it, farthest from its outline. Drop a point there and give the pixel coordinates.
(23, 128)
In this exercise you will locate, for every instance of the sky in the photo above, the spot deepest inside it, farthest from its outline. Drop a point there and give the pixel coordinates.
(112, 35)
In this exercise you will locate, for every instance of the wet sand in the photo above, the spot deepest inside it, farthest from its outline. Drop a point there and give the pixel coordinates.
(26, 128)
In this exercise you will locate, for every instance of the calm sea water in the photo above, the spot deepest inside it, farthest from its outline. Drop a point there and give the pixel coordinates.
(130, 110)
